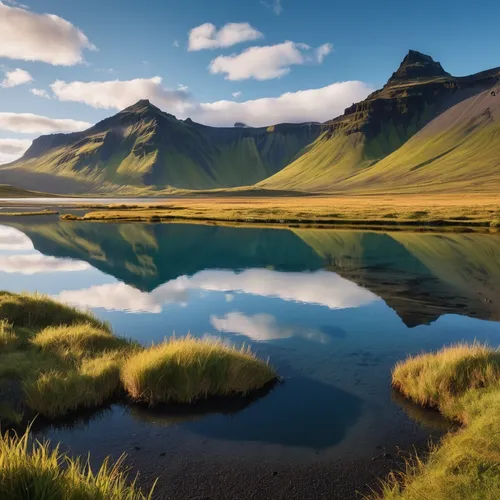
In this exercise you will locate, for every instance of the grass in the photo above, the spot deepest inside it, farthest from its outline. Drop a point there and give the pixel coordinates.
(55, 359)
(187, 370)
(24, 214)
(463, 383)
(409, 210)
(35, 470)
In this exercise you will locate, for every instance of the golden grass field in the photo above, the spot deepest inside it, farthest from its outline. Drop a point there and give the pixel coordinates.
(411, 210)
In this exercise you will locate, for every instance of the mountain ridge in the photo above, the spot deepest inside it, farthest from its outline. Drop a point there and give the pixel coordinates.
(143, 147)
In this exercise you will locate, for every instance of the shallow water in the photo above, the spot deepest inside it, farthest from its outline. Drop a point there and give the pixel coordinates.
(333, 310)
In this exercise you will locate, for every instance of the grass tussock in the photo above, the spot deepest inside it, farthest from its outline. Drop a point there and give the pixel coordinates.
(55, 359)
(34, 470)
(463, 382)
(186, 370)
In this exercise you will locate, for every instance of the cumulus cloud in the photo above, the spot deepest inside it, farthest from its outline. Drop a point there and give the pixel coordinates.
(40, 93)
(206, 36)
(321, 287)
(29, 123)
(119, 94)
(11, 149)
(38, 264)
(13, 239)
(48, 38)
(266, 62)
(313, 105)
(16, 77)
(263, 327)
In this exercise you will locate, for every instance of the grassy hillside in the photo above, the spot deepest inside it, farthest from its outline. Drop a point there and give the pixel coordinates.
(358, 150)
(143, 147)
(7, 191)
(459, 150)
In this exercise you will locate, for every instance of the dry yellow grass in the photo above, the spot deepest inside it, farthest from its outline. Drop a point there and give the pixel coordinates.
(412, 210)
(188, 369)
(463, 383)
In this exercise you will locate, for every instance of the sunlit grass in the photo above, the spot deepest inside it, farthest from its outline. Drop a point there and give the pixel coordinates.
(55, 359)
(34, 470)
(463, 382)
(186, 370)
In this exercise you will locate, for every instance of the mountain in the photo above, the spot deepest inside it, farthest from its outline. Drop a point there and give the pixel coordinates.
(347, 156)
(424, 130)
(144, 146)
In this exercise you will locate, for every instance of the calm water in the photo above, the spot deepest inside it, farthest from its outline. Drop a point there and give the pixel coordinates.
(333, 310)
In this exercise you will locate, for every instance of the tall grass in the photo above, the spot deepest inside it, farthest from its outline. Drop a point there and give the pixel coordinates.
(186, 370)
(30, 469)
(463, 382)
(60, 359)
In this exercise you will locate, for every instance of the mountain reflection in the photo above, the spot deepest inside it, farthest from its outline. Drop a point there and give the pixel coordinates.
(420, 276)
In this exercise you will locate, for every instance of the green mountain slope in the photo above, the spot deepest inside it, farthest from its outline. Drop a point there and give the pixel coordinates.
(143, 146)
(457, 151)
(355, 143)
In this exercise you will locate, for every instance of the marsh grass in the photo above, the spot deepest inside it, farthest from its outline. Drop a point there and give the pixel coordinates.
(463, 383)
(186, 370)
(55, 360)
(34, 470)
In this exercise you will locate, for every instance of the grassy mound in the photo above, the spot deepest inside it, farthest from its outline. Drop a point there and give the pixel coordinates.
(34, 470)
(55, 359)
(463, 382)
(186, 370)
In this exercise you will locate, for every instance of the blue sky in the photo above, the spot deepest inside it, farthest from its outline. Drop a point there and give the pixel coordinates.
(363, 43)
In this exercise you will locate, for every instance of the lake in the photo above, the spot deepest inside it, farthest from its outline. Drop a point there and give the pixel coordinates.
(333, 310)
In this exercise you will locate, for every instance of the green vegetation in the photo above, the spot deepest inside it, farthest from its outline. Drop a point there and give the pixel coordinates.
(55, 359)
(188, 369)
(7, 191)
(35, 470)
(463, 383)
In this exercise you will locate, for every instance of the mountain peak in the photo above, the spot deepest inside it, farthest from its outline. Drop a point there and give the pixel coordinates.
(415, 66)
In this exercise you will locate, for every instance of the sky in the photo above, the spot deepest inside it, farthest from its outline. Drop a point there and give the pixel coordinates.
(66, 65)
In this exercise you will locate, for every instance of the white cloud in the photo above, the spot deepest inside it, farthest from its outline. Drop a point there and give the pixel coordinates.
(176, 44)
(263, 327)
(182, 87)
(306, 105)
(322, 51)
(266, 62)
(11, 149)
(28, 123)
(13, 239)
(274, 5)
(38, 264)
(315, 105)
(206, 36)
(237, 94)
(40, 93)
(48, 38)
(119, 94)
(16, 77)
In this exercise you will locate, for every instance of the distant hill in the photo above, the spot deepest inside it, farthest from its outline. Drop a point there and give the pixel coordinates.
(348, 154)
(424, 130)
(143, 146)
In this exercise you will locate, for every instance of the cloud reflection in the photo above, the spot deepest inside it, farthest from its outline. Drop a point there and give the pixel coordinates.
(13, 239)
(321, 288)
(263, 327)
(38, 263)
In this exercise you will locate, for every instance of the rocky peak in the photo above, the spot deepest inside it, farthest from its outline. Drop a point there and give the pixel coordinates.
(415, 66)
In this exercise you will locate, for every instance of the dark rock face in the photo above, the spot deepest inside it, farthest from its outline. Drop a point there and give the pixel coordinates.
(417, 65)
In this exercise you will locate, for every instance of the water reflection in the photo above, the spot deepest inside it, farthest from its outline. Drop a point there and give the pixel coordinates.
(332, 310)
